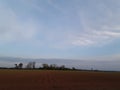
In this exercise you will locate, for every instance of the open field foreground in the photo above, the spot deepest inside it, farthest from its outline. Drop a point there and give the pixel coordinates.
(58, 80)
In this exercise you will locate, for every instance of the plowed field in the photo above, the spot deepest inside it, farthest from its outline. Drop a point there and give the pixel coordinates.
(58, 80)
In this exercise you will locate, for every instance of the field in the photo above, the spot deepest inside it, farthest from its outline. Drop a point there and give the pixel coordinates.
(58, 80)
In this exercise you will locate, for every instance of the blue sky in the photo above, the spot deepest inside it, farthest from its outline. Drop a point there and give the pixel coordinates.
(69, 29)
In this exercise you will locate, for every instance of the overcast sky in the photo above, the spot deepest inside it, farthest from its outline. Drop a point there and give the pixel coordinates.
(69, 29)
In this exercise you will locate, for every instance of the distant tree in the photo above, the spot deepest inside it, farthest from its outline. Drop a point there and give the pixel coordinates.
(45, 66)
(73, 68)
(53, 66)
(34, 65)
(62, 67)
(31, 65)
(20, 66)
(16, 66)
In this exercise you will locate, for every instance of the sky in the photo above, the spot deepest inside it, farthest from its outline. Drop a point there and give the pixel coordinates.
(67, 29)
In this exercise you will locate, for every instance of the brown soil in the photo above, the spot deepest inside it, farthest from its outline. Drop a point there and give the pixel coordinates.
(58, 80)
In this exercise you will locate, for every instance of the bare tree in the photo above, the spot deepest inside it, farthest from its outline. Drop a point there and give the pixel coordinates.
(73, 68)
(16, 66)
(34, 65)
(31, 65)
(20, 66)
(53, 66)
(45, 66)
(62, 67)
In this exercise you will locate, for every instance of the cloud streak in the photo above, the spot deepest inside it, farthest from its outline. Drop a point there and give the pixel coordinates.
(88, 25)
(97, 29)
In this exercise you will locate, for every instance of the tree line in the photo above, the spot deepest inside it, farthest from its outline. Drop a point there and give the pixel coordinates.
(45, 66)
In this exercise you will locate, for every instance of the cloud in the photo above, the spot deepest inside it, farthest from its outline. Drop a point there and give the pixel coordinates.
(112, 57)
(95, 37)
(78, 25)
(99, 24)
(97, 29)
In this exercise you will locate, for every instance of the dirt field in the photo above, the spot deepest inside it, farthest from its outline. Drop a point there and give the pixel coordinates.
(58, 80)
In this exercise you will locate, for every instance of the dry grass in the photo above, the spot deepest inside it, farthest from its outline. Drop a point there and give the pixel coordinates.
(58, 80)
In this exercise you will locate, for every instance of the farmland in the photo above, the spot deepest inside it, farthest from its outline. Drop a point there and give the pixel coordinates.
(58, 80)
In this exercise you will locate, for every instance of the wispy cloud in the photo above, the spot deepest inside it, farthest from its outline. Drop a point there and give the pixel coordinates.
(97, 29)
(12, 28)
(90, 24)
(99, 24)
